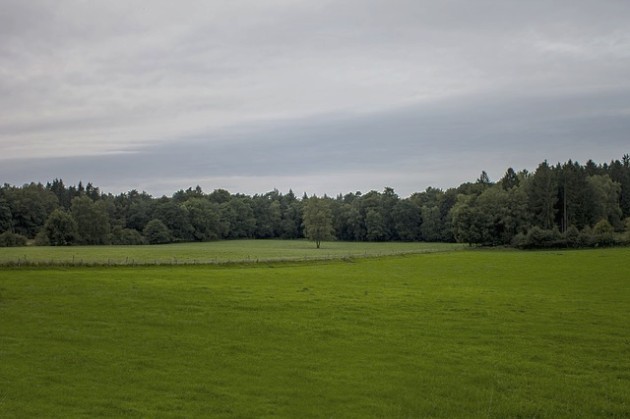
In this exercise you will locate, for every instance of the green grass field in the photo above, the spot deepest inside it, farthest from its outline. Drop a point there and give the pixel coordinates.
(450, 334)
(210, 253)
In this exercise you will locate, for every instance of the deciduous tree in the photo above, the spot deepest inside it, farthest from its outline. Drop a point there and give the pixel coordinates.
(92, 220)
(317, 220)
(156, 232)
(60, 229)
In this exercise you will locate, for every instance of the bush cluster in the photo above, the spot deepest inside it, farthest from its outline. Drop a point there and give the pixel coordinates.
(601, 235)
(10, 239)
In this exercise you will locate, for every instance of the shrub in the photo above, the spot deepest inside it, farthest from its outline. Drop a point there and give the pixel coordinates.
(127, 236)
(538, 238)
(603, 227)
(603, 233)
(622, 239)
(156, 232)
(572, 237)
(41, 239)
(586, 237)
(9, 239)
(520, 241)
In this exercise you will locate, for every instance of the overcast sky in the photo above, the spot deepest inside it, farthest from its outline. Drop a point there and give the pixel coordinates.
(318, 96)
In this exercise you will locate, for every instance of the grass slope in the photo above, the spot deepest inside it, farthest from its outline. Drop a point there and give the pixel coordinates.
(462, 334)
(210, 252)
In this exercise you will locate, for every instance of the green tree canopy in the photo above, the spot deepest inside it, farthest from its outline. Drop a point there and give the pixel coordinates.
(92, 220)
(318, 220)
(30, 206)
(204, 219)
(6, 218)
(156, 232)
(60, 229)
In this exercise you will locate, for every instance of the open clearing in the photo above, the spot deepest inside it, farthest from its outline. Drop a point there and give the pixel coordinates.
(448, 334)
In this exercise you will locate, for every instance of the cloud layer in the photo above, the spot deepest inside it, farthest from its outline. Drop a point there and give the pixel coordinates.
(315, 96)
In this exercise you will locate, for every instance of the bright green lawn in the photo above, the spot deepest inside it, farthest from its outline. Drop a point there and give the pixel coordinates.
(211, 252)
(460, 334)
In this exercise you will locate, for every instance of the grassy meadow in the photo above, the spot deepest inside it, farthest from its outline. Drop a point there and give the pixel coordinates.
(227, 251)
(446, 334)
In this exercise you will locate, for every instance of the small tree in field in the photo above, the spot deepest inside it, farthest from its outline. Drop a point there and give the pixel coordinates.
(317, 221)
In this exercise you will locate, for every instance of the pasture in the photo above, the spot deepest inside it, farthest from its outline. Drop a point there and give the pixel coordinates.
(219, 252)
(447, 334)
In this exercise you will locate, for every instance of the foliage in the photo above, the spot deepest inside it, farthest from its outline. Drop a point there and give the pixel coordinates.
(136, 210)
(408, 220)
(10, 239)
(6, 218)
(126, 237)
(572, 237)
(60, 229)
(603, 232)
(30, 206)
(156, 232)
(204, 219)
(538, 238)
(237, 216)
(492, 218)
(586, 237)
(605, 200)
(317, 221)
(542, 192)
(566, 197)
(92, 220)
(601, 235)
(176, 217)
(375, 225)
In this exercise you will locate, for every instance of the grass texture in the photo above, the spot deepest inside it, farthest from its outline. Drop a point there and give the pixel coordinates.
(219, 252)
(489, 334)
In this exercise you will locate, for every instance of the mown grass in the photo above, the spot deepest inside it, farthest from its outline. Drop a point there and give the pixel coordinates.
(460, 334)
(228, 251)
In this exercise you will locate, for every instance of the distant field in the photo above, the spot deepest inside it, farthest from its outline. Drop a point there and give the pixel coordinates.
(453, 334)
(210, 252)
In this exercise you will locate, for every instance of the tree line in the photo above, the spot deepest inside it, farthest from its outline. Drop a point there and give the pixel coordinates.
(565, 204)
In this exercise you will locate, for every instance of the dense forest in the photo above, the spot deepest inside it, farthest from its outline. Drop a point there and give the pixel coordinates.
(558, 205)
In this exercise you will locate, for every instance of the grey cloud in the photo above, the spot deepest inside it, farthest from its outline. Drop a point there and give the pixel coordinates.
(455, 141)
(301, 88)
